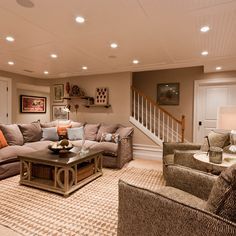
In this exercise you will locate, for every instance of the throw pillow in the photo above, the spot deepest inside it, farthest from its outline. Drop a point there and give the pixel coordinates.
(106, 129)
(12, 134)
(221, 200)
(62, 130)
(124, 131)
(49, 124)
(75, 133)
(90, 131)
(216, 139)
(50, 134)
(3, 141)
(76, 124)
(31, 132)
(108, 137)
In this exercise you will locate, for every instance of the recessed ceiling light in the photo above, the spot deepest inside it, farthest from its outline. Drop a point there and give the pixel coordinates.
(54, 56)
(204, 53)
(11, 63)
(84, 67)
(10, 39)
(135, 61)
(218, 68)
(46, 72)
(205, 29)
(113, 45)
(80, 19)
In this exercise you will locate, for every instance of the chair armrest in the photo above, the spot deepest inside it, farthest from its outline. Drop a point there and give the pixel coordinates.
(125, 150)
(169, 148)
(143, 213)
(196, 182)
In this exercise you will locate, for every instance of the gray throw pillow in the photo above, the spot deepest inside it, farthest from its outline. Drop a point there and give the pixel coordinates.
(50, 134)
(12, 134)
(124, 132)
(216, 139)
(31, 132)
(106, 129)
(90, 131)
(222, 199)
(75, 133)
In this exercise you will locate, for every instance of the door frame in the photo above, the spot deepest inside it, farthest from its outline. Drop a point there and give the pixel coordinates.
(197, 85)
(9, 108)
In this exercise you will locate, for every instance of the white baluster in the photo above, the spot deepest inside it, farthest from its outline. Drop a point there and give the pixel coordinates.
(177, 131)
(134, 105)
(146, 115)
(172, 130)
(150, 127)
(159, 123)
(163, 127)
(168, 128)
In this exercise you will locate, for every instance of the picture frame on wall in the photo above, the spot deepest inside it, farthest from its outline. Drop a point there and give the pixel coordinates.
(168, 94)
(59, 113)
(33, 104)
(58, 92)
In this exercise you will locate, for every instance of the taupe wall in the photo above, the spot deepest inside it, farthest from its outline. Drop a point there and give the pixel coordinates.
(16, 78)
(147, 82)
(119, 97)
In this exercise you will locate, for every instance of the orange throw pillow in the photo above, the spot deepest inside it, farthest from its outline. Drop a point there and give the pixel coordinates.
(62, 130)
(3, 141)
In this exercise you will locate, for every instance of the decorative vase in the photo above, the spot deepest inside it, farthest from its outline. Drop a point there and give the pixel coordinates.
(215, 155)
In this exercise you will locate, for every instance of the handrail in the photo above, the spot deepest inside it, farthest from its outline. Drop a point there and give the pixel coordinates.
(165, 115)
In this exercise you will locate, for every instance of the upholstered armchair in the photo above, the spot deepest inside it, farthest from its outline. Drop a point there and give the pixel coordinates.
(171, 211)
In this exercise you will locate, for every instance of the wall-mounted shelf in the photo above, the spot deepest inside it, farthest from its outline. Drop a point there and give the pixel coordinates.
(94, 105)
(79, 97)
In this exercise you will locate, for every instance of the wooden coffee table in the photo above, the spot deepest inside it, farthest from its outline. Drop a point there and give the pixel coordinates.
(59, 173)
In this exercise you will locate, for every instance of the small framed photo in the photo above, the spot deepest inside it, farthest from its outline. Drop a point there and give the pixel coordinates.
(168, 94)
(59, 113)
(58, 92)
(32, 104)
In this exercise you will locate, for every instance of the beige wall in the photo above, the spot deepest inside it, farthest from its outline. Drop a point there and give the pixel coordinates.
(119, 97)
(16, 79)
(147, 82)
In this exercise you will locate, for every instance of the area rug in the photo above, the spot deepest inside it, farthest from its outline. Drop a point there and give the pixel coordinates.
(92, 210)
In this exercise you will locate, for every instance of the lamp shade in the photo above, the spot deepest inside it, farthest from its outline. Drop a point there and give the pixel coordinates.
(226, 118)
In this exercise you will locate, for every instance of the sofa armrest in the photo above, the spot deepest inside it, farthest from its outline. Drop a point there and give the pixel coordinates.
(169, 148)
(125, 150)
(189, 180)
(143, 212)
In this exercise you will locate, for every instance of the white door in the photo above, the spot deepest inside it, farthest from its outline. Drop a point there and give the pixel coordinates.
(209, 98)
(4, 99)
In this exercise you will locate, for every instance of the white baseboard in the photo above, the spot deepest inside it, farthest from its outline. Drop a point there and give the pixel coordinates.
(148, 152)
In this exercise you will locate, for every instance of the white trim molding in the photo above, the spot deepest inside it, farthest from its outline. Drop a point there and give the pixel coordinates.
(148, 152)
(197, 85)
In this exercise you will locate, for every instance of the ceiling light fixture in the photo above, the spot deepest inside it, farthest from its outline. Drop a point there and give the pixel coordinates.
(54, 56)
(11, 63)
(218, 68)
(80, 19)
(204, 53)
(113, 45)
(135, 61)
(46, 72)
(10, 39)
(84, 67)
(205, 29)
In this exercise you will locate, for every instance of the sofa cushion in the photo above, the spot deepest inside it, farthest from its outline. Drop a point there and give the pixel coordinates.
(31, 132)
(106, 129)
(3, 141)
(75, 133)
(107, 148)
(49, 124)
(108, 137)
(90, 131)
(221, 200)
(12, 134)
(124, 131)
(76, 124)
(216, 139)
(87, 144)
(37, 146)
(50, 134)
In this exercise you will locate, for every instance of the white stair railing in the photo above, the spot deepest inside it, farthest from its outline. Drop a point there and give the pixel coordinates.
(154, 119)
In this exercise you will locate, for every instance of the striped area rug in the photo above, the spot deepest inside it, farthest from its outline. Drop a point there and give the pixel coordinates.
(91, 210)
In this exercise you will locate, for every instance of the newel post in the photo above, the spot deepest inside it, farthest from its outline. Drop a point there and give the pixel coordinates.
(183, 128)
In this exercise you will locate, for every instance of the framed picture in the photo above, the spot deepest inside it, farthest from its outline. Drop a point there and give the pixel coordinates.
(58, 92)
(32, 104)
(58, 113)
(168, 94)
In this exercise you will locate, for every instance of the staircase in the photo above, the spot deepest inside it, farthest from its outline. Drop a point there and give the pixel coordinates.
(157, 123)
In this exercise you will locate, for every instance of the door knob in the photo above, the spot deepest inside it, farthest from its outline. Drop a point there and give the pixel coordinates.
(199, 123)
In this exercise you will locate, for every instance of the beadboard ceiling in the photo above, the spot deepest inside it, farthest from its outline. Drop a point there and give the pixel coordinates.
(159, 33)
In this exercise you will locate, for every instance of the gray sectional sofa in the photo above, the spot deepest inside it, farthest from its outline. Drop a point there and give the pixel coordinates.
(27, 138)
